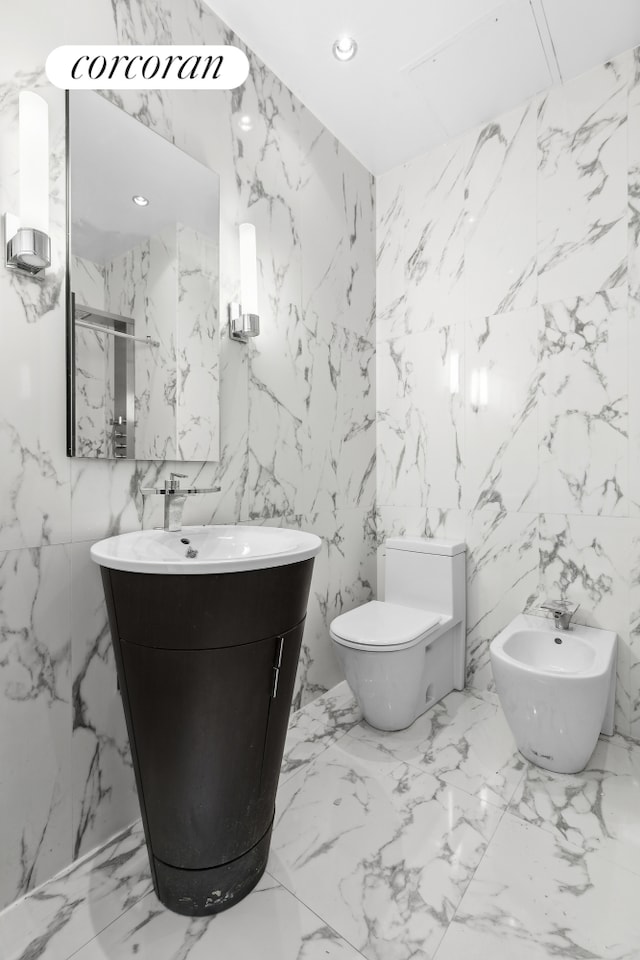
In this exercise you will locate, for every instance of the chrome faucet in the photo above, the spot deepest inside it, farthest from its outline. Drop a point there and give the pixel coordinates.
(174, 499)
(563, 611)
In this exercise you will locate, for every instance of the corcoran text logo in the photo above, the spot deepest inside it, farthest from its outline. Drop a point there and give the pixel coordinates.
(98, 67)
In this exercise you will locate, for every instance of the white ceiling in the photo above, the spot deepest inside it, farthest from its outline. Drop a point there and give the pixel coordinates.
(426, 71)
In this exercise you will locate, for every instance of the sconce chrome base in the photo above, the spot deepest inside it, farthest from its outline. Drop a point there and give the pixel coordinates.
(242, 326)
(27, 250)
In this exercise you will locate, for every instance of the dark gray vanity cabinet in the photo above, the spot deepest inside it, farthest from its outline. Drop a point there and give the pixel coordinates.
(206, 666)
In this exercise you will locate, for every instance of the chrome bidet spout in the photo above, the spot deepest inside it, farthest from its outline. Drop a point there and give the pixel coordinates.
(563, 611)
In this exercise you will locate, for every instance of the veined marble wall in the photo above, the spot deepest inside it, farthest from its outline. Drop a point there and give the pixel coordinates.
(508, 291)
(297, 420)
(94, 366)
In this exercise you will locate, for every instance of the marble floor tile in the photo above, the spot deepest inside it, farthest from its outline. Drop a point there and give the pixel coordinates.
(68, 911)
(387, 846)
(381, 851)
(535, 897)
(317, 726)
(270, 924)
(463, 740)
(595, 810)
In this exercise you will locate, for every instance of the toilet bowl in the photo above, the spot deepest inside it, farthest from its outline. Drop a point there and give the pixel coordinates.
(403, 654)
(557, 689)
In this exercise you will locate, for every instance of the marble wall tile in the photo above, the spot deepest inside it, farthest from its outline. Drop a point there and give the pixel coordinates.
(344, 577)
(338, 279)
(93, 365)
(391, 521)
(584, 405)
(35, 502)
(582, 183)
(434, 234)
(391, 219)
(35, 716)
(88, 282)
(420, 422)
(281, 360)
(502, 580)
(145, 22)
(104, 794)
(500, 216)
(501, 428)
(629, 368)
(197, 346)
(105, 498)
(633, 159)
(357, 461)
(629, 652)
(324, 244)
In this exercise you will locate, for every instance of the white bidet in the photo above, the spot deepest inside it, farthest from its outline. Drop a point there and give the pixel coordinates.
(557, 689)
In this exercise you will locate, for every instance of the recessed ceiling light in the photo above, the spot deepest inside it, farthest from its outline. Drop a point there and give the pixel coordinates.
(140, 200)
(245, 123)
(345, 48)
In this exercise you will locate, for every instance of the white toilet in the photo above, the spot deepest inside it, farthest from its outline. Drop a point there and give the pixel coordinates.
(403, 654)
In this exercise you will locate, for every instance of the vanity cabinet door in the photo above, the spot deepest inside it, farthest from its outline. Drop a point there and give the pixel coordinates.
(199, 720)
(279, 712)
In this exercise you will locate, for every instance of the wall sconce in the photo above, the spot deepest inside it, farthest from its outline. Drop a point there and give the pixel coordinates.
(479, 392)
(244, 321)
(454, 372)
(27, 242)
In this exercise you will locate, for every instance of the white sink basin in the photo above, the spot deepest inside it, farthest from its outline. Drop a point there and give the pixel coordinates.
(217, 549)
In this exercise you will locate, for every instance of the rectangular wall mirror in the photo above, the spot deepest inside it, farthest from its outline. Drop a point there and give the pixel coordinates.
(143, 317)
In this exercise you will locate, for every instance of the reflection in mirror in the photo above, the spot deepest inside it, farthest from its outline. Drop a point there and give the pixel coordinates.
(143, 325)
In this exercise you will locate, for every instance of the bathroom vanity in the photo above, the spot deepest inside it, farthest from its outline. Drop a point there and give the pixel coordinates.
(206, 626)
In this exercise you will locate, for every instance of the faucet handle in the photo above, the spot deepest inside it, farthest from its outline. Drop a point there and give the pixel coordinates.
(174, 482)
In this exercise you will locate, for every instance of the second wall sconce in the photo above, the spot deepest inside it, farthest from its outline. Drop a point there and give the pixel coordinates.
(479, 391)
(27, 242)
(244, 320)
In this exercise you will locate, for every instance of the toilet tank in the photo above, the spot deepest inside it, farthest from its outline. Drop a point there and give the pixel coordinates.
(426, 573)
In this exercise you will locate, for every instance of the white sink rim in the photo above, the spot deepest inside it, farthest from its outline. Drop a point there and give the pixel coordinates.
(161, 552)
(601, 642)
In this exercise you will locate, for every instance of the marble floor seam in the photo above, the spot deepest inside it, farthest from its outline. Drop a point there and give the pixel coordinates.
(313, 910)
(101, 931)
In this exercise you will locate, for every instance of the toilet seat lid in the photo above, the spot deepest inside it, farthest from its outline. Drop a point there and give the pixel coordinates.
(378, 624)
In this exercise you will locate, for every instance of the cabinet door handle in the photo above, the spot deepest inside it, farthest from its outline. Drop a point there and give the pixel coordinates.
(276, 668)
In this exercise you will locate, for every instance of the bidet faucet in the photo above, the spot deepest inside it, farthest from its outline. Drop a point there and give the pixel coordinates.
(174, 499)
(563, 611)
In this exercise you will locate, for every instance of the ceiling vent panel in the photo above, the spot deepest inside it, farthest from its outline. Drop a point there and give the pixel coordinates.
(493, 65)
